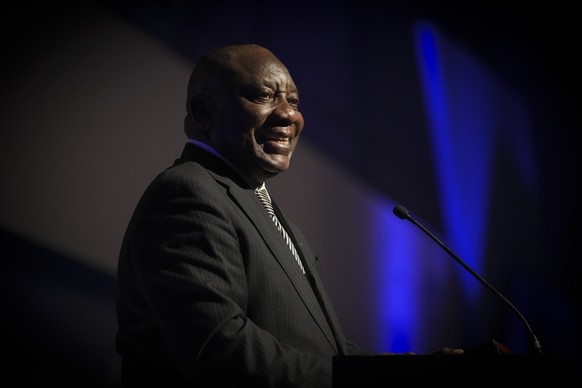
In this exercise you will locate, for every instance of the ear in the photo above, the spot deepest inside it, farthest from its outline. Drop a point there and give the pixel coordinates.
(201, 108)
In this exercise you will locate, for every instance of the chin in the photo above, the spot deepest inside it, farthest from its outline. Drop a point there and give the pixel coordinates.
(273, 163)
(277, 167)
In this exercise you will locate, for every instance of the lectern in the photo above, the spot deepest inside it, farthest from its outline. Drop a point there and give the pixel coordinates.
(441, 370)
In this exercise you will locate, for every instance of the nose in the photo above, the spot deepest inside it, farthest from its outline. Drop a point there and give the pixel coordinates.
(287, 112)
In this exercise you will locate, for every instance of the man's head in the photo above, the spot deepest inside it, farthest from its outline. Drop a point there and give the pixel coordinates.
(243, 102)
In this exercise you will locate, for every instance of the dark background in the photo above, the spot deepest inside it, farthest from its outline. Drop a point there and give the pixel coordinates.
(89, 115)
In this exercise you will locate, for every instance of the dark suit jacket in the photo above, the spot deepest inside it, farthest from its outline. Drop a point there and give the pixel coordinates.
(210, 295)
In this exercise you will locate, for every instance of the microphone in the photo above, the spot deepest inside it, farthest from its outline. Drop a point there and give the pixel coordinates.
(402, 213)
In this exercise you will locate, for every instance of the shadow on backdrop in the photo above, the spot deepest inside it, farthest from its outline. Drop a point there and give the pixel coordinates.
(58, 319)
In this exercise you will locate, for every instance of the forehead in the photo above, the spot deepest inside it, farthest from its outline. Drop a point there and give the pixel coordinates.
(260, 68)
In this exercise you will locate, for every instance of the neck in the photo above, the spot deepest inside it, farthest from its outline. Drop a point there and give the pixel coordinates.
(252, 180)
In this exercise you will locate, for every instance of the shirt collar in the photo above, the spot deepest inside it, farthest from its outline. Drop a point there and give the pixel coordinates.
(214, 152)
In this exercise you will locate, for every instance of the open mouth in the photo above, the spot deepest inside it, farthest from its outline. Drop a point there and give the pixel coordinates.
(277, 139)
(277, 142)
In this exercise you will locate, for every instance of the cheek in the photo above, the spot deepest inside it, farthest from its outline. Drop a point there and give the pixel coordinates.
(239, 114)
(257, 114)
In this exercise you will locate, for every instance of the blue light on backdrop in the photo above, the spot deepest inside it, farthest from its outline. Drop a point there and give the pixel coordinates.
(469, 113)
(461, 147)
(397, 275)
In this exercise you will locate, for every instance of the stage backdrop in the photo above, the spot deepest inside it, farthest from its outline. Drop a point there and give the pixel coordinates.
(466, 123)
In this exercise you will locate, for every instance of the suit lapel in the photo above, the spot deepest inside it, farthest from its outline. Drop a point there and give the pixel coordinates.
(245, 198)
(248, 202)
(310, 262)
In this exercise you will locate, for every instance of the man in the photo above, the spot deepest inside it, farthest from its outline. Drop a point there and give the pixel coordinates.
(211, 291)
(210, 294)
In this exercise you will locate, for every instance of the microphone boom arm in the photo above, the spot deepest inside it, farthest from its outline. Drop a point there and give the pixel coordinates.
(402, 213)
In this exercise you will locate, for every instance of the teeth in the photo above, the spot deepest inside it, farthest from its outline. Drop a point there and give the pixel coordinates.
(279, 139)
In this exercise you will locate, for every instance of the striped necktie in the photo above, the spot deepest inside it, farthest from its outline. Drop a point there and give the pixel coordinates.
(266, 201)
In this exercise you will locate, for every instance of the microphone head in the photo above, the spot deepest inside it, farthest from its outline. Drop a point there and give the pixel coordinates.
(401, 212)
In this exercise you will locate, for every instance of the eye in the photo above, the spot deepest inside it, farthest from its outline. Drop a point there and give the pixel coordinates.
(293, 101)
(257, 94)
(265, 95)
